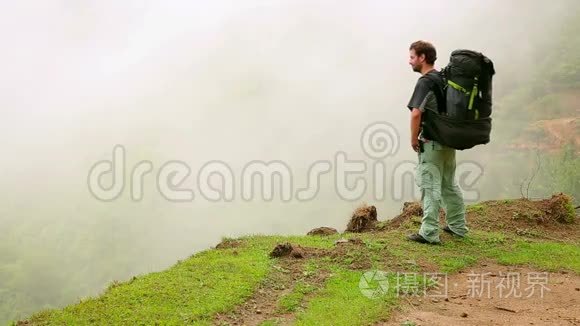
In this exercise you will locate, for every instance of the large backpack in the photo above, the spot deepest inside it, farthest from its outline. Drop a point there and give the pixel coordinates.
(465, 102)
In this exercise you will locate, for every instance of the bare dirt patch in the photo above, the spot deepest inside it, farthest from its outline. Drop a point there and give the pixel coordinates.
(559, 304)
(263, 305)
(549, 135)
(290, 269)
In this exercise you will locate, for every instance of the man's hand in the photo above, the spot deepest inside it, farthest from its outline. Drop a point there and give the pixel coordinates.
(415, 144)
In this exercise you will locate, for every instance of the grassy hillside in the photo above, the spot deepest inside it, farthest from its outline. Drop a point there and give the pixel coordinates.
(238, 282)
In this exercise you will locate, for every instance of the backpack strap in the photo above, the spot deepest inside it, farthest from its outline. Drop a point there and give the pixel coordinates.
(439, 91)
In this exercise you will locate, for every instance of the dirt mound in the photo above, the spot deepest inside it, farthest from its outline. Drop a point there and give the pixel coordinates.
(560, 208)
(364, 218)
(410, 209)
(552, 218)
(412, 212)
(286, 249)
(324, 231)
(555, 210)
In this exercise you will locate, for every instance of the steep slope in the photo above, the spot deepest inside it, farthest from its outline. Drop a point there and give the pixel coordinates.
(325, 282)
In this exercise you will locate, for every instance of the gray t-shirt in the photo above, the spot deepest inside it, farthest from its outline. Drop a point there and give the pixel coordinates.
(424, 97)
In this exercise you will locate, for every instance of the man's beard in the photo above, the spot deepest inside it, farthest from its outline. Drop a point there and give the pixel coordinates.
(417, 68)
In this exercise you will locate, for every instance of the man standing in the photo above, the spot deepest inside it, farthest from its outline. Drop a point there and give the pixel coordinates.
(435, 174)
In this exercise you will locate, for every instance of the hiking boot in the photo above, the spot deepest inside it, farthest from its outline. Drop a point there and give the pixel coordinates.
(417, 238)
(448, 230)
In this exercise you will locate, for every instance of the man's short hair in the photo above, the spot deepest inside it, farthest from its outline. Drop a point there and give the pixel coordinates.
(426, 48)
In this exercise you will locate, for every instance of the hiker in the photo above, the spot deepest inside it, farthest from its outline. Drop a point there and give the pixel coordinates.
(435, 174)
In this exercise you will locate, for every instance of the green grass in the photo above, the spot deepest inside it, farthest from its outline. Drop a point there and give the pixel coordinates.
(341, 302)
(196, 289)
(408, 323)
(479, 208)
(454, 264)
(191, 291)
(546, 255)
(570, 210)
(266, 241)
(291, 301)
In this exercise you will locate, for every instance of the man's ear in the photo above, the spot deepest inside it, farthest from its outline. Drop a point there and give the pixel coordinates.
(422, 57)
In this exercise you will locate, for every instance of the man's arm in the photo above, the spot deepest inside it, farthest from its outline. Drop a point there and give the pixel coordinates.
(416, 103)
(415, 127)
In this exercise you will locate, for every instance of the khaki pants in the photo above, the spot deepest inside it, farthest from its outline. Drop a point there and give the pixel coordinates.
(436, 178)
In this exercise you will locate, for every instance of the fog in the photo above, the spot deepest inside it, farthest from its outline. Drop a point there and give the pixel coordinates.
(200, 81)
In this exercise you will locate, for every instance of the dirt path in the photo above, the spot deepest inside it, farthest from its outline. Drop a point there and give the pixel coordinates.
(468, 303)
(286, 274)
(263, 305)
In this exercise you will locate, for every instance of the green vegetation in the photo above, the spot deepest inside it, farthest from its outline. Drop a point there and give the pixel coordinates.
(341, 302)
(191, 291)
(563, 171)
(479, 208)
(546, 255)
(195, 290)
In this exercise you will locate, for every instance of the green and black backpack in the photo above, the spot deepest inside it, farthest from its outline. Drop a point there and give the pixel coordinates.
(465, 102)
